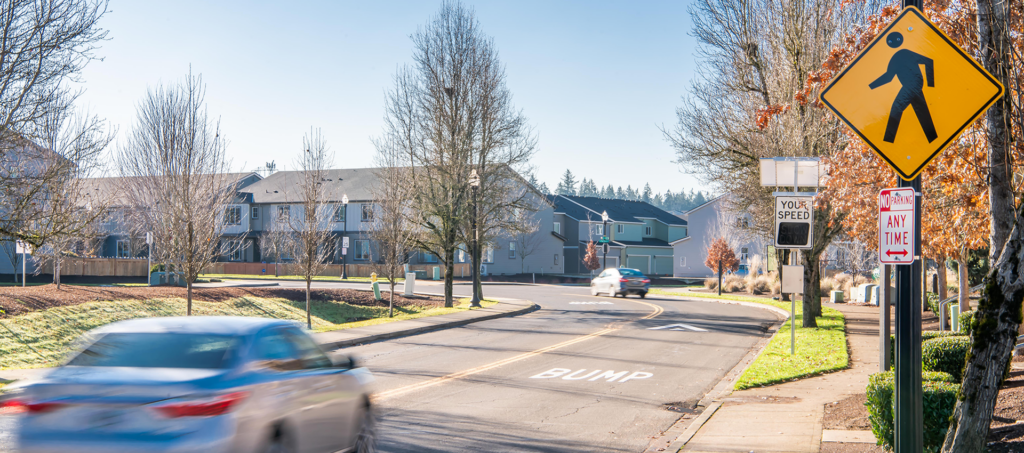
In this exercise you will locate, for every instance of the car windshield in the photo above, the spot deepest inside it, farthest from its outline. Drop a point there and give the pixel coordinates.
(159, 350)
(630, 273)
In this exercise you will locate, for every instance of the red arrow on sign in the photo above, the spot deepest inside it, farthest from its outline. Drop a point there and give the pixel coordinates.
(891, 253)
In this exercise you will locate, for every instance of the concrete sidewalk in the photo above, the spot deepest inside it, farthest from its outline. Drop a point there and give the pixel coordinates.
(788, 417)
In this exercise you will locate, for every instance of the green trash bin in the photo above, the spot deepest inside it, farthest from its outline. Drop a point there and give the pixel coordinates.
(954, 317)
(437, 272)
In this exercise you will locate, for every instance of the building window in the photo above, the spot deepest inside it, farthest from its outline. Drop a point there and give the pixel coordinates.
(123, 250)
(255, 212)
(620, 228)
(599, 229)
(682, 261)
(233, 215)
(284, 213)
(556, 259)
(236, 251)
(362, 251)
(511, 250)
(488, 254)
(427, 257)
(647, 231)
(339, 213)
(366, 212)
(743, 254)
(558, 227)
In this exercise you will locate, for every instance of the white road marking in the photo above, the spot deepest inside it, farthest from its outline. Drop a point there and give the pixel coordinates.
(610, 376)
(680, 326)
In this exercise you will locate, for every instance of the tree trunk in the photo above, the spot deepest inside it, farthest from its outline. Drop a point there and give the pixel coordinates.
(56, 271)
(963, 285)
(309, 318)
(993, 336)
(941, 273)
(449, 275)
(188, 292)
(391, 302)
(811, 299)
(275, 266)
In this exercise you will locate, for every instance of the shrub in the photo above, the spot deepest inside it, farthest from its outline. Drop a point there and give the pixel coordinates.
(759, 285)
(946, 354)
(827, 285)
(933, 302)
(733, 283)
(711, 283)
(939, 399)
(925, 336)
(776, 288)
(966, 322)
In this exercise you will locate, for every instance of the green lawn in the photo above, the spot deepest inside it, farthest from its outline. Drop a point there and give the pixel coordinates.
(818, 350)
(42, 338)
(295, 277)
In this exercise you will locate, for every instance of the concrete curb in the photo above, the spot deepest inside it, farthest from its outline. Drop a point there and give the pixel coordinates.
(332, 345)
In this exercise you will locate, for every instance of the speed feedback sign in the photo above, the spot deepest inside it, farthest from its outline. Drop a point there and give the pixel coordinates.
(794, 222)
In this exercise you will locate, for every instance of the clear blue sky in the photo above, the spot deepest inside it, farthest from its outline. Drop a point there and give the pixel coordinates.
(596, 78)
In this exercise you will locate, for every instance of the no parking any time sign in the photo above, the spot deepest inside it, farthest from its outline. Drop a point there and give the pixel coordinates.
(896, 226)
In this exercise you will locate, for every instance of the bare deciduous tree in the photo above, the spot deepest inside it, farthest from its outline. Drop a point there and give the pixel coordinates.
(307, 243)
(45, 44)
(392, 229)
(274, 240)
(526, 236)
(451, 113)
(175, 180)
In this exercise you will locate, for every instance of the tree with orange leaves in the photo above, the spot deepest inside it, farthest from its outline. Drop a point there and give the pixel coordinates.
(969, 193)
(719, 252)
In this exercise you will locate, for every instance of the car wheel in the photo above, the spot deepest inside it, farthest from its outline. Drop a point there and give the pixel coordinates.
(366, 440)
(280, 443)
(593, 290)
(643, 295)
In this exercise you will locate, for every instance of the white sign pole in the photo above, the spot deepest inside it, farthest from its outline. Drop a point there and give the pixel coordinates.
(792, 283)
(24, 260)
(149, 259)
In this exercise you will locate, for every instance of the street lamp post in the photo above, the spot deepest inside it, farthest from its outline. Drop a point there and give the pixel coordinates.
(474, 183)
(604, 232)
(344, 238)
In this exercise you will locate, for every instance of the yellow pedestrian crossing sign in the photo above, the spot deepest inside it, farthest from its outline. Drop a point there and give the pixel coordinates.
(910, 93)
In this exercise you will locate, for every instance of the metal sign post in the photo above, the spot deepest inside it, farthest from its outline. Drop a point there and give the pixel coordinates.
(21, 248)
(909, 410)
(149, 259)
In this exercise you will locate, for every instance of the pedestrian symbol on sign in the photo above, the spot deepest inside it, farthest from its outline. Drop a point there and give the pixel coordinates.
(905, 65)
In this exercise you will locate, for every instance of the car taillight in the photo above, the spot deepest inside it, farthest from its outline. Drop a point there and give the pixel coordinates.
(17, 406)
(623, 280)
(207, 407)
(647, 280)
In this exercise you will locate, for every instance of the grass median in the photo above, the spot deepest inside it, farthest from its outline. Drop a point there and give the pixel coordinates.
(42, 338)
(819, 349)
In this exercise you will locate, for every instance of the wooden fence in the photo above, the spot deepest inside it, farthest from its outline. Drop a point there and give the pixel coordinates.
(333, 270)
(98, 267)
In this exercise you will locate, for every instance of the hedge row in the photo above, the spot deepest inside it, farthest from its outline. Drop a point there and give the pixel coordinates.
(938, 400)
(925, 336)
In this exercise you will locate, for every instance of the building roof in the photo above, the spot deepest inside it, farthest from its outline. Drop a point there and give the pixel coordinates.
(109, 189)
(590, 208)
(284, 186)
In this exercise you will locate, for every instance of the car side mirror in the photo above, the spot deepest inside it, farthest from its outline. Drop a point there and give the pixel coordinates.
(346, 362)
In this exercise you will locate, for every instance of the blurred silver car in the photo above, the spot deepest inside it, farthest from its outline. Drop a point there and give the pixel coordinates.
(620, 281)
(198, 384)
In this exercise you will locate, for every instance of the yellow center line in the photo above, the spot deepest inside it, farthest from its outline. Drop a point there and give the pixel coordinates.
(480, 369)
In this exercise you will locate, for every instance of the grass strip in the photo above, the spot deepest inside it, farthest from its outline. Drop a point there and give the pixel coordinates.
(319, 278)
(43, 338)
(819, 349)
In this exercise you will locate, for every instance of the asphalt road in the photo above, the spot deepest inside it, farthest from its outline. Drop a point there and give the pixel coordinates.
(542, 381)
(583, 373)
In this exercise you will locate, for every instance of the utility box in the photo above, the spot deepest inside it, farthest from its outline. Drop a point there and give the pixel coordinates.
(876, 296)
(954, 317)
(864, 292)
(836, 297)
(437, 272)
(410, 283)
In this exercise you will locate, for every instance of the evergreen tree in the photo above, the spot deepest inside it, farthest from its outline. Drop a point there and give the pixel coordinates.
(646, 196)
(609, 192)
(619, 194)
(543, 188)
(658, 201)
(568, 184)
(699, 199)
